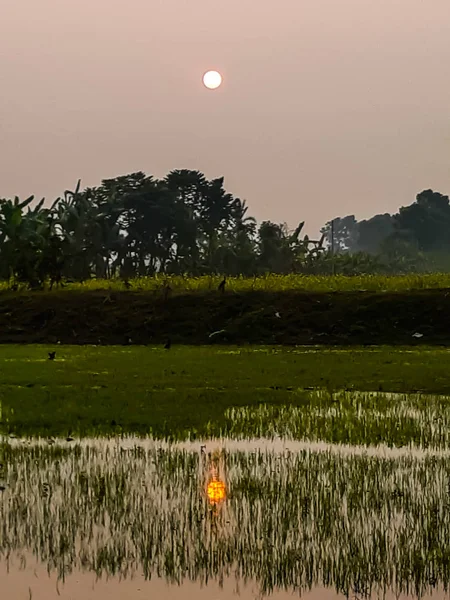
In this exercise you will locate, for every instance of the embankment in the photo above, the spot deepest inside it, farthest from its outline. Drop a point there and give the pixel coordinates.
(98, 317)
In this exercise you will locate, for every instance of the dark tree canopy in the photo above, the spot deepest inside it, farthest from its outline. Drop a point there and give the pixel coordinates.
(138, 225)
(427, 221)
(372, 232)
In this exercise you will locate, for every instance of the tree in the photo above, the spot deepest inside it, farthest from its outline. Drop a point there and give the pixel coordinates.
(23, 240)
(237, 246)
(274, 249)
(426, 222)
(372, 233)
(215, 217)
(345, 234)
(189, 189)
(137, 224)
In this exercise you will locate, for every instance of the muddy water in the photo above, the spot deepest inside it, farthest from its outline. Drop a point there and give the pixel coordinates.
(35, 583)
(263, 517)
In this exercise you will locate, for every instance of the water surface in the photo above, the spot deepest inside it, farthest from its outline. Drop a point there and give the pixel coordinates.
(268, 516)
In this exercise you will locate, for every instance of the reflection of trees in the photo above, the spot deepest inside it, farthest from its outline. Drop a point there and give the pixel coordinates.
(289, 521)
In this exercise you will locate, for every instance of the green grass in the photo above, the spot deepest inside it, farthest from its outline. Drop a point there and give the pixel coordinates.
(272, 283)
(193, 391)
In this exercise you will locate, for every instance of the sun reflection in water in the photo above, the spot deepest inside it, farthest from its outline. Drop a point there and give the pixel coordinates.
(216, 491)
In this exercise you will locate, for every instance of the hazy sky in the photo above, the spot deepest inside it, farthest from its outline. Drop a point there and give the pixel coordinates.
(328, 107)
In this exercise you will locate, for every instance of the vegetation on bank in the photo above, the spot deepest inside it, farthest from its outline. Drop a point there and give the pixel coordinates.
(165, 285)
(136, 225)
(138, 317)
(200, 391)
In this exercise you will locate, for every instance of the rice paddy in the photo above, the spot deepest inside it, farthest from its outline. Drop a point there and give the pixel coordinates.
(289, 520)
(270, 470)
(190, 391)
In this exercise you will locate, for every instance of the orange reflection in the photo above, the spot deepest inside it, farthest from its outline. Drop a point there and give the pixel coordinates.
(216, 491)
(215, 487)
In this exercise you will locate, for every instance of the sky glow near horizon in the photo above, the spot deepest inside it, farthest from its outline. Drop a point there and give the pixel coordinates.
(328, 109)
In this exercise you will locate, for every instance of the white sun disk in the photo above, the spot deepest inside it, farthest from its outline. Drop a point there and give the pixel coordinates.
(212, 80)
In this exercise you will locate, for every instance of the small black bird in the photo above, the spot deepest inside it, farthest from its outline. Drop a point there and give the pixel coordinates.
(127, 284)
(222, 284)
(51, 355)
(168, 344)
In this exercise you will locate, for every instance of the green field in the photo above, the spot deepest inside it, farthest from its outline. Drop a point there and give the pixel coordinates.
(200, 391)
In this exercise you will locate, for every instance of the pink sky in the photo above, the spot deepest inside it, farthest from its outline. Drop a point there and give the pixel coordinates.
(327, 108)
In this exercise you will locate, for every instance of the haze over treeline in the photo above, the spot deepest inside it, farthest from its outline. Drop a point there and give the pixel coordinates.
(138, 225)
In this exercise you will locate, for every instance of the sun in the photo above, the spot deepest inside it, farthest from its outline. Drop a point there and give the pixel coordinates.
(212, 80)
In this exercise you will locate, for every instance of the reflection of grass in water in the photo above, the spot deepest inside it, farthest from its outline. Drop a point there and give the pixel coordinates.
(187, 391)
(289, 521)
(356, 418)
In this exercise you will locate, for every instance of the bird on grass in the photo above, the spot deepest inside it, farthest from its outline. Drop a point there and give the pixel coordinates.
(51, 355)
(168, 344)
(127, 284)
(222, 284)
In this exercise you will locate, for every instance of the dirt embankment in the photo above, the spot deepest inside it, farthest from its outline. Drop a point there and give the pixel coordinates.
(254, 317)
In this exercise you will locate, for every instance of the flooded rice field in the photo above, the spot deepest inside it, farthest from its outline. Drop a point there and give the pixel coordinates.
(273, 509)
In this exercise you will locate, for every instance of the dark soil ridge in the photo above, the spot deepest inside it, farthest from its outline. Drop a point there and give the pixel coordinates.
(337, 318)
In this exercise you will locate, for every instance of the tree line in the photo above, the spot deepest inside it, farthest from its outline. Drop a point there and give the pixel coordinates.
(417, 237)
(137, 225)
